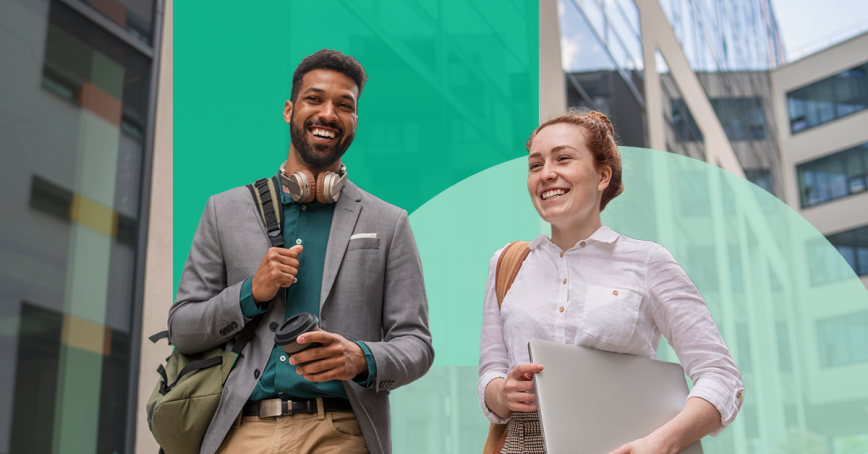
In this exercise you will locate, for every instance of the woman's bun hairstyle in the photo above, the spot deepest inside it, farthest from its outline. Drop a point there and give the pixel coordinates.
(600, 140)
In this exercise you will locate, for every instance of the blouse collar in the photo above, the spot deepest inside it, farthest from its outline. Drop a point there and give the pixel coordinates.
(603, 235)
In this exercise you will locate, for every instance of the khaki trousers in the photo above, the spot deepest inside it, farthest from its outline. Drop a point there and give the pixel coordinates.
(323, 433)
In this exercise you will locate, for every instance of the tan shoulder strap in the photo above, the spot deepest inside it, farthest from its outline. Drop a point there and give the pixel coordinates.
(508, 264)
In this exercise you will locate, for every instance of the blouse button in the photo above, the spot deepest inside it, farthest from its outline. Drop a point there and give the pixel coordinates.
(565, 281)
(562, 254)
(738, 395)
(562, 309)
(582, 244)
(615, 293)
(304, 208)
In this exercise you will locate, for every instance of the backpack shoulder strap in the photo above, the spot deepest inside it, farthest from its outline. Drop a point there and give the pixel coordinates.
(267, 198)
(508, 264)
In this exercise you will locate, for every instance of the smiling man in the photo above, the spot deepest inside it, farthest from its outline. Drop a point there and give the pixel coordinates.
(349, 259)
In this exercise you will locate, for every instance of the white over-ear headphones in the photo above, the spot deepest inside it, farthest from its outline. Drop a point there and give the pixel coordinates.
(303, 187)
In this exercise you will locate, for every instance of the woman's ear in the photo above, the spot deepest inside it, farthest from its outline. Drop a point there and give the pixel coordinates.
(605, 178)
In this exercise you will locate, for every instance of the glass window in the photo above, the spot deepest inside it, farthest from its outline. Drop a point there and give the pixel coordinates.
(581, 50)
(135, 16)
(829, 99)
(741, 118)
(843, 340)
(683, 135)
(71, 162)
(833, 177)
(853, 246)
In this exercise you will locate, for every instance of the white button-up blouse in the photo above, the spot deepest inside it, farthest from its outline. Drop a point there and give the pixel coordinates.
(612, 293)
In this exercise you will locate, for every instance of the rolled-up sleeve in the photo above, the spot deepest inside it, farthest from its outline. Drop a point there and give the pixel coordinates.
(684, 320)
(493, 359)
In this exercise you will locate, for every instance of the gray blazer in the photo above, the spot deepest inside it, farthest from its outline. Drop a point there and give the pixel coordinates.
(372, 291)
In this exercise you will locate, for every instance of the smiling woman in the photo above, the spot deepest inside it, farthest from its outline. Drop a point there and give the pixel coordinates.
(592, 287)
(581, 149)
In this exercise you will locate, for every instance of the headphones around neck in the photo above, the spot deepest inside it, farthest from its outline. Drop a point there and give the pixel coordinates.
(304, 188)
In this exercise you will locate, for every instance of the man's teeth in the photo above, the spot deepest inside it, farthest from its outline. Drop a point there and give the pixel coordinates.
(323, 133)
(553, 193)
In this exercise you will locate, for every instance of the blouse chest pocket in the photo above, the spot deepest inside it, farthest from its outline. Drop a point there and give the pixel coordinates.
(610, 314)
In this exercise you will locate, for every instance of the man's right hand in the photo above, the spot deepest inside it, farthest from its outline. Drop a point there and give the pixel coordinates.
(278, 269)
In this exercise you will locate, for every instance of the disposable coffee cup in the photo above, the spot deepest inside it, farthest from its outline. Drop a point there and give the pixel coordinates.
(287, 334)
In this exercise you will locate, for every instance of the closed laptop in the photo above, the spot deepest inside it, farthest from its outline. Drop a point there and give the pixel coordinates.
(593, 402)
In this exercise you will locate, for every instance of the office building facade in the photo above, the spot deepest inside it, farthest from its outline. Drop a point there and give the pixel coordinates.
(79, 96)
(708, 80)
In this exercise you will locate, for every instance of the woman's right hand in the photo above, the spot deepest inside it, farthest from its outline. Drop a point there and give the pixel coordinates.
(516, 392)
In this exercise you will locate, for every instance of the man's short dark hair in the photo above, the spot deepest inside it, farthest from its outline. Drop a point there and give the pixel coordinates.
(332, 60)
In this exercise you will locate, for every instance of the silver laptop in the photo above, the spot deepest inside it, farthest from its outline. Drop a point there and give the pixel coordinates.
(593, 402)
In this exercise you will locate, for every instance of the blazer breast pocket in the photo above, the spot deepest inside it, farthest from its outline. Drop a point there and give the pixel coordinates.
(363, 243)
(610, 314)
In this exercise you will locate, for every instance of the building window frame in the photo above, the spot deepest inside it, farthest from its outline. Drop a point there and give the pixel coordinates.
(832, 177)
(807, 109)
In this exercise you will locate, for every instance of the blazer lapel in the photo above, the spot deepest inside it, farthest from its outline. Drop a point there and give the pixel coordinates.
(344, 221)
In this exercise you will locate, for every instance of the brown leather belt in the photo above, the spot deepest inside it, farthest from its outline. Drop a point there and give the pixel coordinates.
(279, 407)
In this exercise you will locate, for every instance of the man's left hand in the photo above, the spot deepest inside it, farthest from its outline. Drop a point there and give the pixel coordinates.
(337, 359)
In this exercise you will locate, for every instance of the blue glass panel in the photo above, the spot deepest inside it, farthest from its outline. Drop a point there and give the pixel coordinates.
(829, 99)
(581, 50)
(834, 176)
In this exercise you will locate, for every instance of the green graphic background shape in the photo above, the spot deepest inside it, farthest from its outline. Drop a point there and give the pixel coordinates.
(452, 91)
(745, 250)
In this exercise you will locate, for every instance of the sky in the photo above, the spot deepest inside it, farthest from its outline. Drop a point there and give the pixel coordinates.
(803, 23)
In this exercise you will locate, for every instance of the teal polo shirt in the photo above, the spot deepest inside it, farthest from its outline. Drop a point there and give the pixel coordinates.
(307, 224)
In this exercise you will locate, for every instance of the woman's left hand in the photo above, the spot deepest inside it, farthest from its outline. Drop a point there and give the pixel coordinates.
(641, 446)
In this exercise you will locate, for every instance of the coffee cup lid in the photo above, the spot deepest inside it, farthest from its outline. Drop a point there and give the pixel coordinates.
(295, 326)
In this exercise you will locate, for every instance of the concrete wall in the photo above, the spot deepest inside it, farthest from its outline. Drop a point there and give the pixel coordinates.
(158, 267)
(552, 86)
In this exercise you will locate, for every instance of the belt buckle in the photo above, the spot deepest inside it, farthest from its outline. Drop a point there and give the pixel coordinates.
(274, 407)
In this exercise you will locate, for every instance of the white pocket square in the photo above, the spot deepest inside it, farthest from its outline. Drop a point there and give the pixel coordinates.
(363, 235)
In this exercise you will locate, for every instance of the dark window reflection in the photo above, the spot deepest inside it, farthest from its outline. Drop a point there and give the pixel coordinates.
(683, 122)
(853, 246)
(134, 16)
(829, 99)
(832, 177)
(741, 118)
(607, 92)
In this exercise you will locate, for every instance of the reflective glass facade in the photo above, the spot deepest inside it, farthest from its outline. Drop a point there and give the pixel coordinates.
(75, 103)
(833, 177)
(731, 45)
(843, 94)
(601, 46)
(601, 54)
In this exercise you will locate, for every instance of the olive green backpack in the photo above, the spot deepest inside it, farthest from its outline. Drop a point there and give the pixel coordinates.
(188, 392)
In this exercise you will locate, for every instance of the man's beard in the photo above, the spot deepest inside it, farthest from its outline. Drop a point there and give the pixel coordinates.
(312, 153)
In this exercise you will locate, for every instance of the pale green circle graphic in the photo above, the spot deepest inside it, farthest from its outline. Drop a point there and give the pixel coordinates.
(791, 310)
